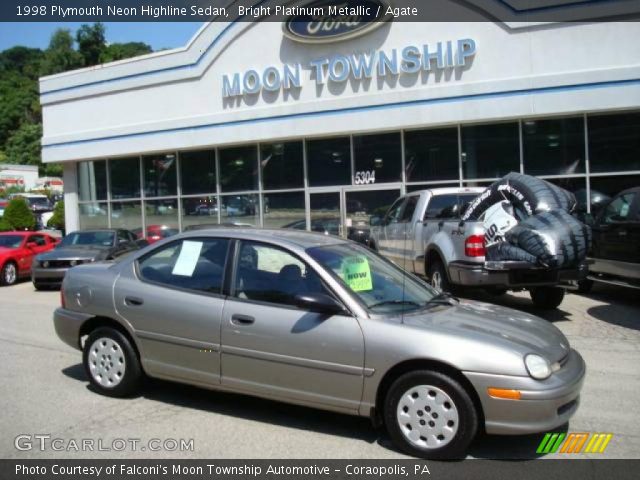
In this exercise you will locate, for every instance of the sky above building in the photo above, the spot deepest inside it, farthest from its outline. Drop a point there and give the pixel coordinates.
(160, 35)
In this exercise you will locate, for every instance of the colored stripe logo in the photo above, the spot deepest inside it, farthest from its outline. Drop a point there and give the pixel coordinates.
(574, 443)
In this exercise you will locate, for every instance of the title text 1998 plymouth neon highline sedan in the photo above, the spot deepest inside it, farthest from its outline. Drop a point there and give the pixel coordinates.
(319, 321)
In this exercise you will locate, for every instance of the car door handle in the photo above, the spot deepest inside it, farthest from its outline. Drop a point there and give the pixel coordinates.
(133, 301)
(242, 319)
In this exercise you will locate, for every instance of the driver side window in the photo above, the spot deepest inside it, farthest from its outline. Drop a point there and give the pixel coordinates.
(269, 274)
(393, 214)
(619, 209)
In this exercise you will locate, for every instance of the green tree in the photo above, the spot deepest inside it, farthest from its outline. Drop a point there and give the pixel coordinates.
(23, 60)
(60, 56)
(23, 147)
(57, 219)
(91, 42)
(120, 51)
(18, 103)
(18, 215)
(4, 226)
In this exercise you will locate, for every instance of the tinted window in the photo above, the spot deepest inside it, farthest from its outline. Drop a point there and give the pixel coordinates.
(553, 147)
(160, 175)
(614, 142)
(283, 209)
(329, 161)
(282, 165)
(38, 240)
(431, 154)
(123, 236)
(270, 274)
(377, 158)
(194, 264)
(409, 208)
(619, 209)
(125, 177)
(198, 172)
(238, 168)
(447, 206)
(490, 151)
(92, 180)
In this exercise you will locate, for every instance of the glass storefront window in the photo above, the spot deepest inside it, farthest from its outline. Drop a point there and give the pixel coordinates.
(240, 209)
(93, 215)
(92, 180)
(553, 147)
(282, 165)
(431, 154)
(378, 158)
(199, 211)
(362, 205)
(325, 213)
(160, 175)
(161, 214)
(198, 172)
(124, 176)
(126, 215)
(329, 162)
(414, 188)
(614, 142)
(238, 168)
(490, 151)
(605, 188)
(284, 210)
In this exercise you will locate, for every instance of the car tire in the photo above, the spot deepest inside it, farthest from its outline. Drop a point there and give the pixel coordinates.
(9, 274)
(547, 298)
(585, 286)
(111, 363)
(430, 415)
(437, 275)
(38, 286)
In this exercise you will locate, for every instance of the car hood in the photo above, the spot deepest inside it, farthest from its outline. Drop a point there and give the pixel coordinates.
(62, 253)
(496, 325)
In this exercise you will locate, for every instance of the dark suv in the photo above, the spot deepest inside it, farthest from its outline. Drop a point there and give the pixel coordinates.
(616, 243)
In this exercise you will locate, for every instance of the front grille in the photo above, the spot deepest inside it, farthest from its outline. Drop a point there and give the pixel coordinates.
(56, 263)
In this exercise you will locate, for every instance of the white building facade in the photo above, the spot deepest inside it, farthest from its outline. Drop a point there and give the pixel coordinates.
(248, 124)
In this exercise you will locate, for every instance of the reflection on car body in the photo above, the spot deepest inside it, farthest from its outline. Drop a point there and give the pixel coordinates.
(319, 321)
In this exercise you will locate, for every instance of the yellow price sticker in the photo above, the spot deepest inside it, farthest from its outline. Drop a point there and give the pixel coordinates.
(357, 274)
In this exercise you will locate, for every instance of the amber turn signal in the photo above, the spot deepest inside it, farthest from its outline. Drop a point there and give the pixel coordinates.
(504, 393)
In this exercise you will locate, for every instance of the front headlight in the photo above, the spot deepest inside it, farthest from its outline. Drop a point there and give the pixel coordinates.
(537, 366)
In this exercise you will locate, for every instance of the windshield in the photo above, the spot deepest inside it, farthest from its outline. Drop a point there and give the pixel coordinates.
(105, 239)
(38, 200)
(380, 286)
(10, 241)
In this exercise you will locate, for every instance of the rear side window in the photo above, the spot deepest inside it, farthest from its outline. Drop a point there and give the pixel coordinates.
(444, 207)
(38, 240)
(194, 264)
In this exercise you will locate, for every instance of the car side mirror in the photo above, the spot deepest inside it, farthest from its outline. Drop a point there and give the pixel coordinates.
(318, 302)
(142, 242)
(32, 245)
(375, 220)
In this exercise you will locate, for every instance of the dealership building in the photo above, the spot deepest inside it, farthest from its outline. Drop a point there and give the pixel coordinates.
(259, 123)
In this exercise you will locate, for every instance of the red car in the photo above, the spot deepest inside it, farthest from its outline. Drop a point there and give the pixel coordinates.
(17, 251)
(156, 232)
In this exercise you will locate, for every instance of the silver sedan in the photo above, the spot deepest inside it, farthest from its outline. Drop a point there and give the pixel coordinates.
(323, 322)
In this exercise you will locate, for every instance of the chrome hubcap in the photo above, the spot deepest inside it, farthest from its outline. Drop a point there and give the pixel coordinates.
(436, 280)
(427, 417)
(106, 362)
(10, 273)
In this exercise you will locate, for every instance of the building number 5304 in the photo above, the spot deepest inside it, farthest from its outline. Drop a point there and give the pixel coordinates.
(365, 178)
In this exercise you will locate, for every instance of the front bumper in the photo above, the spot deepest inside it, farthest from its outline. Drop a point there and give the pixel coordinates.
(48, 276)
(67, 325)
(544, 405)
(512, 274)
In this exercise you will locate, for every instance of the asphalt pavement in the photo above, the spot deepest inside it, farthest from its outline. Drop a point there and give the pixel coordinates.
(45, 397)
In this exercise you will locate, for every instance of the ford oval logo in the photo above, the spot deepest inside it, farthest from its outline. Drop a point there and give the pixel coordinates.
(325, 21)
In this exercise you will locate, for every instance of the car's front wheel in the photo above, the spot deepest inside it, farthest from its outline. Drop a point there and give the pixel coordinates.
(111, 363)
(430, 415)
(9, 274)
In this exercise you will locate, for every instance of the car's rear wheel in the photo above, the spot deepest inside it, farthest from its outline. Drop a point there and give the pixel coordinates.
(39, 286)
(430, 415)
(547, 298)
(111, 363)
(9, 274)
(437, 275)
(585, 286)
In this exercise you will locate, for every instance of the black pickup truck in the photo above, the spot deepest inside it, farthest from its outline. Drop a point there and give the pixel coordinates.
(615, 252)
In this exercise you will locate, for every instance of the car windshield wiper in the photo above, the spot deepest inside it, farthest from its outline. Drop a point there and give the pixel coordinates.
(395, 302)
(443, 298)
